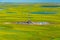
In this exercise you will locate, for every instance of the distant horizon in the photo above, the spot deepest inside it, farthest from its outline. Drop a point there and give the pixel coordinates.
(31, 1)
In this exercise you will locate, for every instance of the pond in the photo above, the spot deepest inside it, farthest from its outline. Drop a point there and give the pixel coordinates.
(43, 12)
(1, 9)
(11, 12)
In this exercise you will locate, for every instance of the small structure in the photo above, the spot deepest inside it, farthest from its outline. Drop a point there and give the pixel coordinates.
(40, 23)
(28, 22)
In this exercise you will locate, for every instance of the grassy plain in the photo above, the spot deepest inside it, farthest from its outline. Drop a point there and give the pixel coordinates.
(14, 13)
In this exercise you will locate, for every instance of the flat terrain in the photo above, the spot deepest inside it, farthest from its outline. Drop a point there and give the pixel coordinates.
(34, 12)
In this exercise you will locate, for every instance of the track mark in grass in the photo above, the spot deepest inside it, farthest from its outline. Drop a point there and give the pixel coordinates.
(4, 32)
(4, 27)
(56, 39)
(10, 37)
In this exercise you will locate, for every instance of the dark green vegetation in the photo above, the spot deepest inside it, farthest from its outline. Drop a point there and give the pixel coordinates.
(51, 6)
